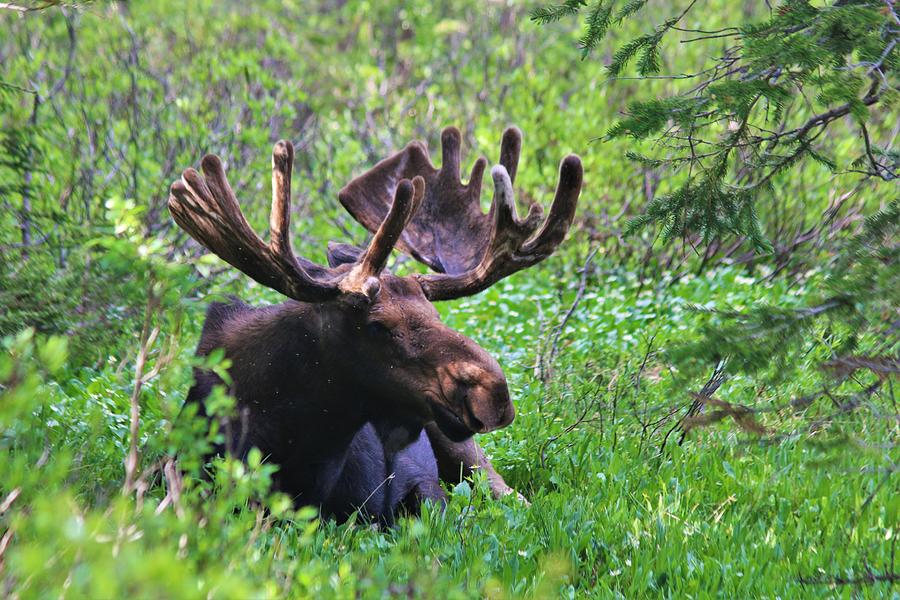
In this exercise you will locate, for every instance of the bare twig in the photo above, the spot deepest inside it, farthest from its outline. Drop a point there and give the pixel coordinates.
(149, 334)
(546, 364)
(583, 418)
(709, 388)
(174, 485)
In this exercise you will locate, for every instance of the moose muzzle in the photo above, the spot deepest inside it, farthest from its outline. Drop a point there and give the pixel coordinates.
(477, 396)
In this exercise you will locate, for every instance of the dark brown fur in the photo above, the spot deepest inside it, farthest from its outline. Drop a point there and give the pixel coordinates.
(309, 377)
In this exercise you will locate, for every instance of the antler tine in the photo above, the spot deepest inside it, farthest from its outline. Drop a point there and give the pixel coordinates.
(280, 217)
(562, 211)
(363, 277)
(513, 244)
(406, 201)
(510, 148)
(451, 140)
(205, 207)
(503, 209)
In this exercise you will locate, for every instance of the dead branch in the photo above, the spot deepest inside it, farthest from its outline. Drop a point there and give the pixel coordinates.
(546, 365)
(149, 334)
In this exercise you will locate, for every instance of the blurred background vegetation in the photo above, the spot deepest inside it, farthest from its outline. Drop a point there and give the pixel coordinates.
(618, 349)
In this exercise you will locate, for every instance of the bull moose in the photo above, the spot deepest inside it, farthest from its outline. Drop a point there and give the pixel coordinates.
(354, 387)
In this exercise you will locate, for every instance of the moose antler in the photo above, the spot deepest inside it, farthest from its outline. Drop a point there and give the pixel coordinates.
(469, 250)
(206, 208)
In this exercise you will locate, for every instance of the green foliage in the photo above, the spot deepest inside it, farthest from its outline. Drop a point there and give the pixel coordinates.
(597, 23)
(749, 116)
(610, 516)
(745, 118)
(555, 12)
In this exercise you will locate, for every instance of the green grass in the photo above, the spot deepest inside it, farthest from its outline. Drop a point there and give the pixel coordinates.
(725, 514)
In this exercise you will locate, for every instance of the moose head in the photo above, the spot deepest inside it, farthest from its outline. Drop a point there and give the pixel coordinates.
(374, 334)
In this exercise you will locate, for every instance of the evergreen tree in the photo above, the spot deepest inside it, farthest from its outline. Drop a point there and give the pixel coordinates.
(761, 108)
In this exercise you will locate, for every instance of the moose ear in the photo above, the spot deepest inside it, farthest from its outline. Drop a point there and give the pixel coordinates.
(339, 254)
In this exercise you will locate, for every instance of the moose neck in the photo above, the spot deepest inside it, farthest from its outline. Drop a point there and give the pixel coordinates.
(288, 379)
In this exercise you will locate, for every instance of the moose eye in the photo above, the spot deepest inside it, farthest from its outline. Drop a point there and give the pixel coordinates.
(377, 328)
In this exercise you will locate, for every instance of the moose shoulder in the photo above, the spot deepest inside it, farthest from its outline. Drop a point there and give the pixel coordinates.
(336, 384)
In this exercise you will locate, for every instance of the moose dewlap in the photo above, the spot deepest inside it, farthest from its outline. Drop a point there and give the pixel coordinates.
(354, 387)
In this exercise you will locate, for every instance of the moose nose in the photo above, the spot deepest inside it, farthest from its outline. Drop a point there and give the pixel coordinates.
(477, 394)
(485, 406)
